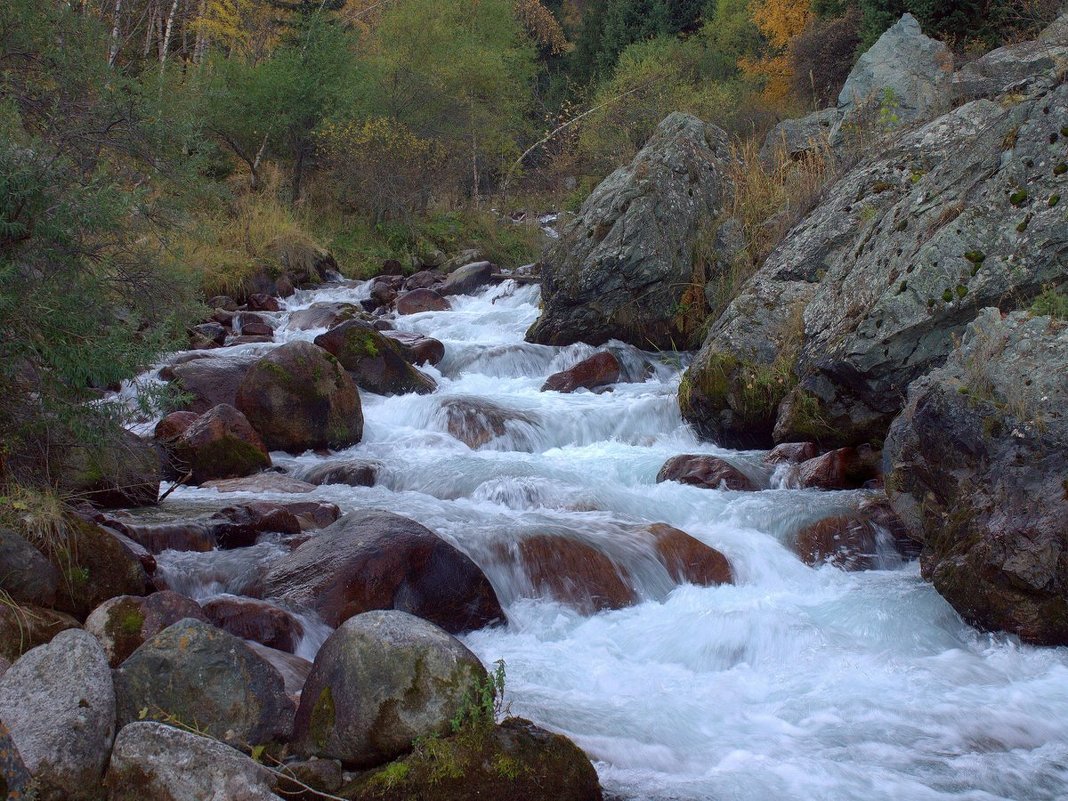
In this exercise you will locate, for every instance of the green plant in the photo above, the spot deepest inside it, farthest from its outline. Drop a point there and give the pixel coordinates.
(483, 703)
(1051, 303)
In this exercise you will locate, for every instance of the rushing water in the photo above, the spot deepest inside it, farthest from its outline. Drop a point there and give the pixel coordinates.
(794, 683)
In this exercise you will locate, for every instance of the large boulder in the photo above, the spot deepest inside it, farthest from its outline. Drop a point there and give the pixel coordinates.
(210, 381)
(156, 762)
(221, 443)
(323, 315)
(123, 470)
(903, 77)
(687, 559)
(1015, 68)
(702, 470)
(417, 301)
(864, 538)
(477, 422)
(417, 349)
(626, 267)
(797, 138)
(977, 465)
(122, 624)
(465, 280)
(26, 576)
(252, 619)
(599, 370)
(375, 362)
(202, 676)
(57, 713)
(381, 681)
(95, 565)
(513, 760)
(376, 560)
(868, 292)
(298, 397)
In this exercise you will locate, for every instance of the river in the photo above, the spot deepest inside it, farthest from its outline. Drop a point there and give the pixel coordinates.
(793, 683)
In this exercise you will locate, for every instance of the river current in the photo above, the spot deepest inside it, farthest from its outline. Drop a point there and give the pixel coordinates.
(793, 683)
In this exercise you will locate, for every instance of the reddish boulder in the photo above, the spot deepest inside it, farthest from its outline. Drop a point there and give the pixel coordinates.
(171, 427)
(123, 623)
(252, 619)
(376, 560)
(423, 280)
(208, 381)
(261, 302)
(221, 443)
(253, 325)
(298, 397)
(792, 453)
(475, 422)
(240, 526)
(705, 471)
(851, 541)
(571, 572)
(599, 370)
(845, 468)
(355, 473)
(312, 515)
(687, 559)
(421, 300)
(417, 349)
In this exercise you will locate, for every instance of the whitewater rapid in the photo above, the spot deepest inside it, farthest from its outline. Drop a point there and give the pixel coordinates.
(794, 683)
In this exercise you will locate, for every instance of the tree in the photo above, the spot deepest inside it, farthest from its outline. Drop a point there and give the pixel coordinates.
(780, 22)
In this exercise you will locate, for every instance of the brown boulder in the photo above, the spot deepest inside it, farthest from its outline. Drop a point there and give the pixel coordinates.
(299, 397)
(261, 482)
(376, 560)
(705, 471)
(95, 566)
(417, 349)
(261, 302)
(374, 361)
(191, 535)
(171, 427)
(355, 473)
(423, 279)
(312, 515)
(792, 453)
(689, 560)
(845, 468)
(252, 325)
(208, 381)
(123, 623)
(221, 443)
(421, 300)
(599, 370)
(240, 526)
(252, 619)
(322, 315)
(851, 541)
(465, 280)
(475, 422)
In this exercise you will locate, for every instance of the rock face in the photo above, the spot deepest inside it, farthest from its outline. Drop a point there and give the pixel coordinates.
(155, 762)
(905, 74)
(710, 472)
(25, 575)
(977, 464)
(867, 293)
(221, 443)
(298, 397)
(377, 560)
(123, 471)
(379, 682)
(57, 707)
(123, 623)
(513, 760)
(599, 370)
(202, 675)
(1015, 68)
(374, 361)
(626, 267)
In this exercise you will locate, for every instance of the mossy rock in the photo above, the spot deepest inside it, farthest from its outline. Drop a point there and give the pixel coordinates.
(375, 362)
(513, 760)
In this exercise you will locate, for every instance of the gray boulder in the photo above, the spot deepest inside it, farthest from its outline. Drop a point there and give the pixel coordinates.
(155, 762)
(469, 278)
(25, 574)
(205, 677)
(379, 682)
(1016, 68)
(867, 293)
(57, 709)
(905, 76)
(626, 267)
(123, 623)
(209, 381)
(795, 138)
(976, 470)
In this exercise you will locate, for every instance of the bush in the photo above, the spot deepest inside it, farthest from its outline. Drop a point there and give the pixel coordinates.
(822, 57)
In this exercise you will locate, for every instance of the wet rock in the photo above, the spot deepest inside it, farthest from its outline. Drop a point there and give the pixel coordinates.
(381, 681)
(376, 560)
(171, 427)
(261, 482)
(312, 515)
(207, 335)
(209, 381)
(417, 349)
(95, 566)
(513, 760)
(221, 443)
(250, 324)
(705, 471)
(123, 624)
(624, 268)
(424, 279)
(26, 576)
(191, 535)
(323, 315)
(599, 370)
(904, 72)
(355, 473)
(155, 762)
(416, 301)
(25, 626)
(977, 464)
(298, 397)
(687, 559)
(572, 572)
(469, 278)
(845, 468)
(475, 422)
(243, 704)
(792, 453)
(252, 619)
(851, 541)
(58, 710)
(240, 526)
(249, 339)
(374, 361)
(383, 292)
(119, 472)
(262, 302)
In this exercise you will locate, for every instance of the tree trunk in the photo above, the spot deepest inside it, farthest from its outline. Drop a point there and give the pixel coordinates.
(113, 49)
(167, 37)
